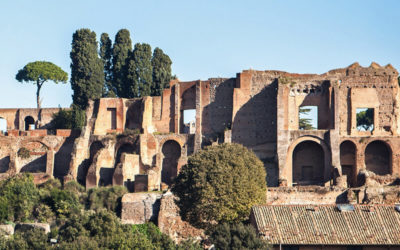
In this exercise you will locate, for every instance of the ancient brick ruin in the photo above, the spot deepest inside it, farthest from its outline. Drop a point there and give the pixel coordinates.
(142, 143)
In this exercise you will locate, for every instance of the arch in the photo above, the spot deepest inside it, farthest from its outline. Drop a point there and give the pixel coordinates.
(378, 157)
(128, 148)
(84, 166)
(37, 160)
(327, 166)
(29, 121)
(348, 154)
(171, 151)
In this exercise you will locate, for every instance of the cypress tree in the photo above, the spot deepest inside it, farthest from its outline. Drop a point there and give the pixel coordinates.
(87, 72)
(141, 69)
(106, 56)
(161, 64)
(121, 51)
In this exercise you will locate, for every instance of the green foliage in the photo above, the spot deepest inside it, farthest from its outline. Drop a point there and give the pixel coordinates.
(62, 119)
(154, 235)
(139, 77)
(106, 57)
(161, 64)
(68, 119)
(78, 116)
(39, 72)
(305, 123)
(236, 236)
(365, 119)
(24, 153)
(20, 195)
(63, 202)
(87, 71)
(106, 198)
(121, 51)
(220, 184)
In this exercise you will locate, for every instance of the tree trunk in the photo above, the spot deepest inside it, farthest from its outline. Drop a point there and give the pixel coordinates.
(38, 94)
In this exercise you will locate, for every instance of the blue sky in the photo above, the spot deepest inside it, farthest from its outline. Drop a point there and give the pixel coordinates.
(203, 38)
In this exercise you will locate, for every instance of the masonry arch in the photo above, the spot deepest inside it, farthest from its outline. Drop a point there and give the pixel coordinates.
(309, 160)
(84, 167)
(348, 155)
(378, 157)
(29, 122)
(34, 159)
(171, 151)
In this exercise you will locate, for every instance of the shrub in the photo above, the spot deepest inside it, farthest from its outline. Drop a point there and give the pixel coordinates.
(24, 153)
(21, 195)
(63, 202)
(78, 117)
(236, 236)
(62, 119)
(106, 197)
(220, 184)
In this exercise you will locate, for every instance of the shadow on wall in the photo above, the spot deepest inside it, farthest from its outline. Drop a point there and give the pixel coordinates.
(134, 115)
(255, 121)
(217, 116)
(172, 152)
(4, 164)
(255, 124)
(38, 165)
(84, 166)
(63, 157)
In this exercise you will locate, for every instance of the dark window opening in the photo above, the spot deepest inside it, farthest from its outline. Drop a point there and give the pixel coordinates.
(29, 123)
(113, 116)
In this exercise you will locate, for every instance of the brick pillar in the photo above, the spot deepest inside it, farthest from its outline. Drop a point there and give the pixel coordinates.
(285, 172)
(177, 110)
(198, 136)
(50, 162)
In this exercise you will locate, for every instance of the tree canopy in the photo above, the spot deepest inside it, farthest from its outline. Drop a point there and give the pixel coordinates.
(220, 184)
(365, 119)
(121, 51)
(161, 71)
(304, 123)
(87, 69)
(39, 72)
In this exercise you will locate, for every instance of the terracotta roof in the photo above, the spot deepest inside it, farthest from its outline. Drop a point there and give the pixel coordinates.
(327, 225)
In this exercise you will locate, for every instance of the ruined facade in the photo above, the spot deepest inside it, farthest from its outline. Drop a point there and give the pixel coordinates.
(142, 143)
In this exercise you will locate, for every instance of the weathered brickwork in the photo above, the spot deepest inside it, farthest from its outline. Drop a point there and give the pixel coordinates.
(145, 137)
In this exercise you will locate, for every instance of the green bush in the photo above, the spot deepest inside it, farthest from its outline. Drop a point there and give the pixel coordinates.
(106, 198)
(220, 184)
(62, 119)
(24, 153)
(63, 202)
(21, 195)
(236, 236)
(68, 119)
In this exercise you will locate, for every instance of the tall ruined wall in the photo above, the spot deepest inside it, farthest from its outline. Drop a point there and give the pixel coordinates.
(372, 87)
(254, 108)
(217, 113)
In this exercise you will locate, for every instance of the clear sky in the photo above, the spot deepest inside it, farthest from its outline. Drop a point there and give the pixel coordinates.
(204, 39)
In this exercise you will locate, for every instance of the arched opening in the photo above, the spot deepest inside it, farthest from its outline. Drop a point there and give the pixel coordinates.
(378, 158)
(348, 161)
(127, 148)
(3, 125)
(308, 164)
(171, 151)
(33, 157)
(84, 167)
(29, 123)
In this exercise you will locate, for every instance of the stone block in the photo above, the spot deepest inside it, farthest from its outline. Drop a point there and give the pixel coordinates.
(170, 222)
(6, 229)
(139, 208)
